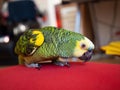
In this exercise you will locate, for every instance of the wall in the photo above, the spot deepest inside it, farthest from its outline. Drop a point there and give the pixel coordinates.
(106, 21)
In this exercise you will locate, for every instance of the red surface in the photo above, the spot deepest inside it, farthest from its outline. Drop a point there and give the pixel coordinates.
(89, 76)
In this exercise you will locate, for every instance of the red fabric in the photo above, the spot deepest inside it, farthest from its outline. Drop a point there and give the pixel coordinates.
(89, 76)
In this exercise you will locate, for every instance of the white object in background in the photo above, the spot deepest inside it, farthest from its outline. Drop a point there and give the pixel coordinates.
(48, 6)
(4, 39)
(77, 23)
(68, 16)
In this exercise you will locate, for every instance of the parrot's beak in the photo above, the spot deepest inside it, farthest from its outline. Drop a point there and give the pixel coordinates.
(86, 56)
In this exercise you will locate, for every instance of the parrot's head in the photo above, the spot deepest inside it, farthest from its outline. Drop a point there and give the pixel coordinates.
(84, 49)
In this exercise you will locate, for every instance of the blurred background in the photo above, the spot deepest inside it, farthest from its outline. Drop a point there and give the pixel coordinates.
(99, 20)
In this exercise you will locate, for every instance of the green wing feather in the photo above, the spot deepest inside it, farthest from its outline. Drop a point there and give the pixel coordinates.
(58, 42)
(23, 45)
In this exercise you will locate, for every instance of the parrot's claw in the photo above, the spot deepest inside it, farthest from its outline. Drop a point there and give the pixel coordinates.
(34, 65)
(66, 64)
(39, 66)
(60, 63)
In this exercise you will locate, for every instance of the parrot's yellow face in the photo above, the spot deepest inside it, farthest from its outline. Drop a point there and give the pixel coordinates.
(83, 49)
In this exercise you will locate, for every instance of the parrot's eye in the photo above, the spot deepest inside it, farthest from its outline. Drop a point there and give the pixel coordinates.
(83, 45)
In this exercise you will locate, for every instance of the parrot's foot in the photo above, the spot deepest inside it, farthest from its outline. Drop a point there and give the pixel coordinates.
(33, 65)
(60, 63)
(39, 66)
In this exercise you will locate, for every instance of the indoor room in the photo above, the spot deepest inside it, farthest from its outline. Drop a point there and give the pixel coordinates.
(60, 44)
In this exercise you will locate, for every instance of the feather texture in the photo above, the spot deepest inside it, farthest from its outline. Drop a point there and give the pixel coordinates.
(57, 43)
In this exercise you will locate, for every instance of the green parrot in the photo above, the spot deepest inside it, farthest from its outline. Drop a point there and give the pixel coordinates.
(52, 43)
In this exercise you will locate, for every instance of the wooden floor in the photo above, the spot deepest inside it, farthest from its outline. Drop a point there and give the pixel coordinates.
(112, 61)
(103, 58)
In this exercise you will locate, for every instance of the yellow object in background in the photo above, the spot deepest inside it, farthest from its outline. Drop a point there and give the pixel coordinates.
(112, 49)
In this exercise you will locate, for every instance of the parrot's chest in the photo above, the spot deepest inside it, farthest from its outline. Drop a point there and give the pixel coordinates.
(30, 59)
(36, 59)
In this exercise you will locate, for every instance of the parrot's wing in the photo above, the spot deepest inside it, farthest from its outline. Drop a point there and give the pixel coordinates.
(29, 42)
